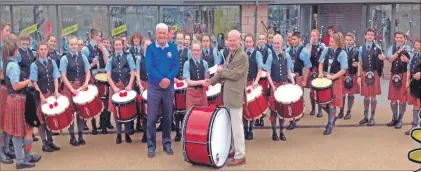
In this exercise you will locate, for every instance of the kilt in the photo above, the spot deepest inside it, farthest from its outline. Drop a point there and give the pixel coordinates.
(66, 91)
(338, 87)
(413, 101)
(355, 87)
(272, 101)
(196, 96)
(313, 69)
(14, 119)
(39, 112)
(3, 98)
(370, 90)
(397, 94)
(111, 107)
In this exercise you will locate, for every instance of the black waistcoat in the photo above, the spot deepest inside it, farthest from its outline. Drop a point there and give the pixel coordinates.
(183, 54)
(352, 57)
(45, 76)
(75, 68)
(54, 55)
(316, 51)
(265, 53)
(96, 53)
(252, 73)
(197, 72)
(415, 64)
(335, 67)
(398, 67)
(279, 68)
(120, 70)
(27, 59)
(209, 58)
(298, 63)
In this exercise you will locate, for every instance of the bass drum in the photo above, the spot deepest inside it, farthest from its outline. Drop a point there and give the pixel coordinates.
(207, 136)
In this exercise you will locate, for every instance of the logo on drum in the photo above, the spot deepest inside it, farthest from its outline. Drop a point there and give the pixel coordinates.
(289, 111)
(415, 154)
(217, 158)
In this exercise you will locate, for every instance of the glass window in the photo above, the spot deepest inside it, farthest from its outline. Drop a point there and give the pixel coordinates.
(380, 20)
(406, 13)
(218, 19)
(5, 13)
(184, 18)
(44, 17)
(282, 18)
(137, 18)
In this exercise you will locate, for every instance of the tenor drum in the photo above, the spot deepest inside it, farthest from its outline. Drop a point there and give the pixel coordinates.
(322, 92)
(289, 100)
(125, 105)
(180, 96)
(88, 102)
(256, 103)
(145, 105)
(102, 84)
(58, 112)
(207, 136)
(264, 82)
(213, 93)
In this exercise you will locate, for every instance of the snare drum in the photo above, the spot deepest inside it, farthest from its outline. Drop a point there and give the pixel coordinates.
(264, 82)
(180, 96)
(102, 84)
(213, 93)
(289, 99)
(58, 112)
(322, 92)
(88, 102)
(125, 106)
(256, 103)
(145, 105)
(207, 136)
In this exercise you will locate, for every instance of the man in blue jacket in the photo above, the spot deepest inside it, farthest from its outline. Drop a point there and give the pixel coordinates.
(162, 65)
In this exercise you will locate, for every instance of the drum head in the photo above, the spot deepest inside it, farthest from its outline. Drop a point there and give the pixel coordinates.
(145, 95)
(213, 90)
(220, 136)
(252, 94)
(86, 96)
(180, 85)
(321, 83)
(288, 93)
(131, 95)
(101, 77)
(62, 105)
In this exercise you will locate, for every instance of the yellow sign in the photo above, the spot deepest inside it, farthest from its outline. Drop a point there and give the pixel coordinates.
(31, 29)
(415, 154)
(175, 27)
(69, 30)
(119, 30)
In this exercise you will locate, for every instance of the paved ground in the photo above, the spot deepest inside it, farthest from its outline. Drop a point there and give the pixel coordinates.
(350, 147)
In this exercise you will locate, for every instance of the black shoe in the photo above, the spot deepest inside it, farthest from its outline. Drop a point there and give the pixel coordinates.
(82, 142)
(73, 142)
(292, 125)
(371, 122)
(86, 128)
(328, 130)
(10, 154)
(340, 115)
(128, 139)
(275, 137)
(282, 136)
(35, 139)
(118, 139)
(177, 137)
(364, 121)
(168, 151)
(53, 146)
(249, 136)
(393, 121)
(262, 122)
(319, 114)
(257, 123)
(151, 154)
(24, 165)
(94, 129)
(47, 148)
(348, 115)
(6, 160)
(144, 139)
(34, 158)
(312, 113)
(398, 124)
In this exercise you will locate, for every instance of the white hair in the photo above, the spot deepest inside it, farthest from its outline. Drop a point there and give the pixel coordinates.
(161, 26)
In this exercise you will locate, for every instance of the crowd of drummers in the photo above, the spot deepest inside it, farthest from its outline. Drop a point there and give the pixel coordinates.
(352, 70)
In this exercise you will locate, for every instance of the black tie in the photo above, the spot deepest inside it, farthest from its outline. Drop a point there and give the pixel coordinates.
(180, 51)
(45, 63)
(248, 53)
(74, 57)
(206, 52)
(197, 63)
(368, 47)
(118, 57)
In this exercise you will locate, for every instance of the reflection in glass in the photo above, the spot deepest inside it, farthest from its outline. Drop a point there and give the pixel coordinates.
(381, 16)
(218, 19)
(406, 13)
(137, 18)
(5, 13)
(183, 18)
(282, 18)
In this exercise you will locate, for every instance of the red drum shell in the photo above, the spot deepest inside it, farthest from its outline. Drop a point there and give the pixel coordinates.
(126, 111)
(215, 100)
(60, 121)
(322, 95)
(291, 111)
(255, 108)
(91, 109)
(180, 100)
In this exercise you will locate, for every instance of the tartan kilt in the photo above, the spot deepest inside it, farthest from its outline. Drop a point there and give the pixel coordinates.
(66, 91)
(196, 96)
(371, 90)
(39, 112)
(397, 94)
(3, 98)
(338, 87)
(111, 107)
(272, 101)
(355, 87)
(14, 119)
(413, 101)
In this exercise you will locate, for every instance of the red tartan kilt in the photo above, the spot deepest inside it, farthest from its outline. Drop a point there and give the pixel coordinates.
(355, 87)
(370, 90)
(397, 94)
(14, 119)
(39, 112)
(3, 98)
(338, 87)
(413, 101)
(196, 97)
(272, 101)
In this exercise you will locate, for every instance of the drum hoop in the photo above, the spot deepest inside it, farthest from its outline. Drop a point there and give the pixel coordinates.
(292, 102)
(210, 129)
(124, 103)
(183, 133)
(322, 88)
(90, 100)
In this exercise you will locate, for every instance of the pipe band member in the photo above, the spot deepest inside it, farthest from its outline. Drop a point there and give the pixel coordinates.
(142, 81)
(302, 64)
(120, 75)
(414, 68)
(97, 56)
(315, 48)
(280, 68)
(75, 73)
(44, 76)
(370, 56)
(353, 89)
(333, 64)
(14, 119)
(209, 53)
(256, 66)
(184, 53)
(398, 56)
